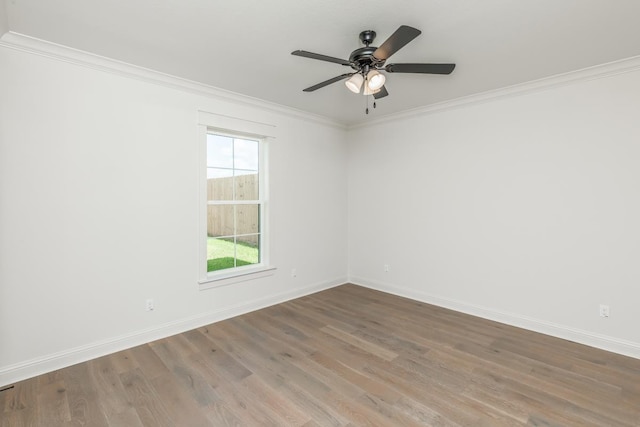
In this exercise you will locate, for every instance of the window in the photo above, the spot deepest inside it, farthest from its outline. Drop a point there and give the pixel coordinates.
(233, 218)
(234, 202)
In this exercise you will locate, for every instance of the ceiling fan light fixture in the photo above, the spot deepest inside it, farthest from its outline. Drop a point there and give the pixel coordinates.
(375, 80)
(355, 83)
(368, 91)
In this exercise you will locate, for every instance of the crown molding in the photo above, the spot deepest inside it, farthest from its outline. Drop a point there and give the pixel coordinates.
(81, 58)
(601, 71)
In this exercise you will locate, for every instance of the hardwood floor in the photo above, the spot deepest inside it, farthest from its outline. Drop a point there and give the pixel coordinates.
(348, 356)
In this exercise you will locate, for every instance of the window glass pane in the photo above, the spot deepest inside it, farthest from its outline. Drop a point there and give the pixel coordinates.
(247, 219)
(246, 154)
(213, 173)
(221, 253)
(220, 221)
(225, 253)
(219, 151)
(248, 250)
(219, 184)
(233, 230)
(246, 186)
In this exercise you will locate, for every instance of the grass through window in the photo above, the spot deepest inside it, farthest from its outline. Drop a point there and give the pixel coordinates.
(221, 253)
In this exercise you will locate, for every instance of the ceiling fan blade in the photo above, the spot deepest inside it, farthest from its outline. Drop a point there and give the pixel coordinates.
(420, 68)
(397, 41)
(327, 82)
(381, 94)
(312, 55)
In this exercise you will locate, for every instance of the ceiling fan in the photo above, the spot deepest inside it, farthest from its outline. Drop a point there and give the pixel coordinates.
(369, 61)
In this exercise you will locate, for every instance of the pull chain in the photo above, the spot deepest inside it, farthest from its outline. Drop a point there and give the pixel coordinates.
(366, 110)
(366, 81)
(366, 103)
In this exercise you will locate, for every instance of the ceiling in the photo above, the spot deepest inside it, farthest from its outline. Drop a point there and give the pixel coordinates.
(245, 46)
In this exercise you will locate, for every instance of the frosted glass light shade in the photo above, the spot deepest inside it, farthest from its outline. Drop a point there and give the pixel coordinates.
(375, 80)
(368, 91)
(354, 83)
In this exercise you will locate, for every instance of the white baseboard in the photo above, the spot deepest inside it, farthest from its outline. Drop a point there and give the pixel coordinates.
(615, 345)
(21, 371)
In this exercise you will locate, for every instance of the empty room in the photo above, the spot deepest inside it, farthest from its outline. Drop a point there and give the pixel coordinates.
(336, 213)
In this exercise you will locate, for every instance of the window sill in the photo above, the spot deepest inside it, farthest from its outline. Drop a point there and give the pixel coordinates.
(218, 280)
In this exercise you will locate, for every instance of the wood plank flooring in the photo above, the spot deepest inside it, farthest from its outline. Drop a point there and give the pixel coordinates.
(348, 356)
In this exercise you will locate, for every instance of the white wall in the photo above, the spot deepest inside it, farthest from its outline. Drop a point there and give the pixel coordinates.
(523, 209)
(98, 211)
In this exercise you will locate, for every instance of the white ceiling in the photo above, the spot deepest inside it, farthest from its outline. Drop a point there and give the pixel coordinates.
(245, 45)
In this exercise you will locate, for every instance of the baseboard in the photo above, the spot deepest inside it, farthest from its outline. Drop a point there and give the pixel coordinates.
(31, 368)
(626, 348)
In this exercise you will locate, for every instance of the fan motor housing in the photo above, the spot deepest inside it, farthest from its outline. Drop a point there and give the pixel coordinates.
(363, 57)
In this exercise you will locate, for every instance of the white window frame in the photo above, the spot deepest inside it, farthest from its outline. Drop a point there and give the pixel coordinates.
(235, 128)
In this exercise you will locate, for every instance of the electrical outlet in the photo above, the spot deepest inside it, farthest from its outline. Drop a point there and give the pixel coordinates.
(149, 305)
(386, 268)
(604, 310)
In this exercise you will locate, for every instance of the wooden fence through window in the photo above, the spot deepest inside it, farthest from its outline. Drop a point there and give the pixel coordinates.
(220, 218)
